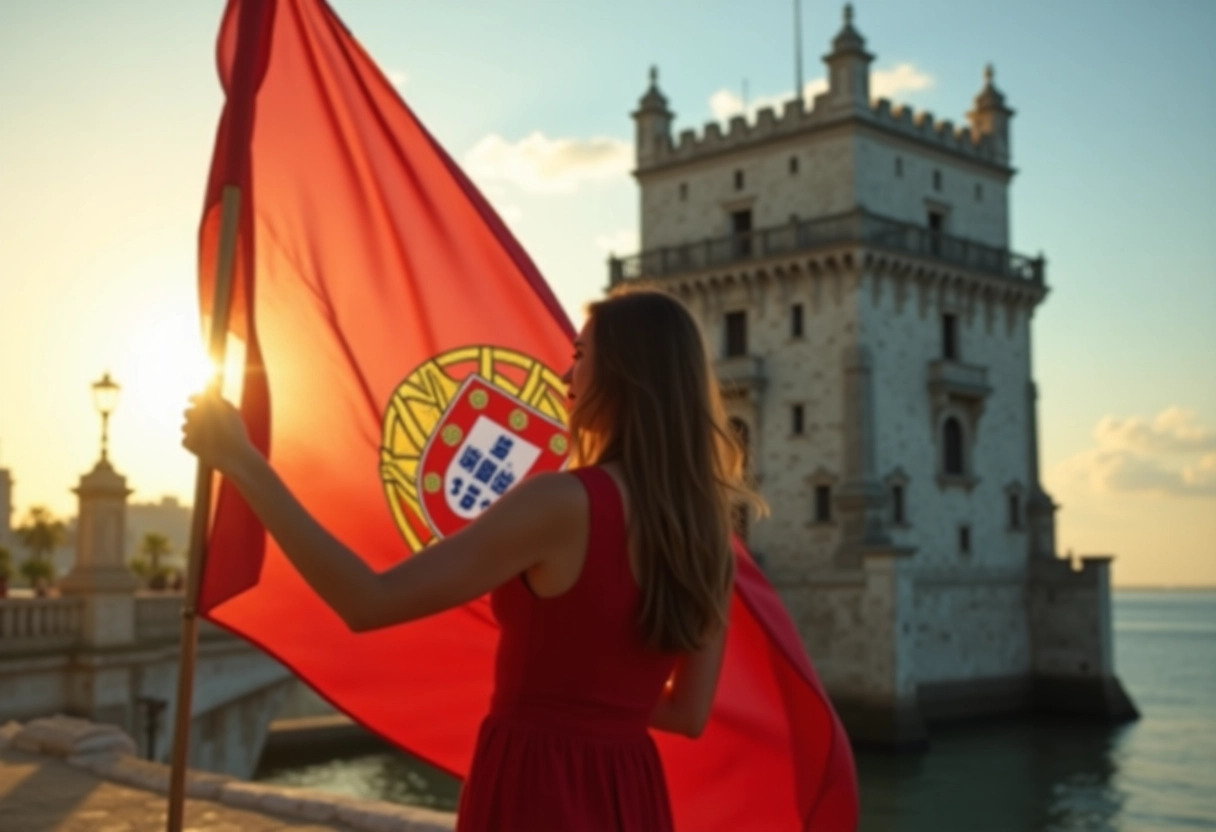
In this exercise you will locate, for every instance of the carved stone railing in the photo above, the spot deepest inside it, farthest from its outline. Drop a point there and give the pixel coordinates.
(740, 374)
(158, 617)
(806, 235)
(957, 379)
(39, 624)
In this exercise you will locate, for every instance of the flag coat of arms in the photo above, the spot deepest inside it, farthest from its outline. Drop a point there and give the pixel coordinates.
(402, 370)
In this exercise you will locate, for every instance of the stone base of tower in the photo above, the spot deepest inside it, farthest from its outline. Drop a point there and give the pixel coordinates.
(1100, 699)
(894, 726)
(906, 726)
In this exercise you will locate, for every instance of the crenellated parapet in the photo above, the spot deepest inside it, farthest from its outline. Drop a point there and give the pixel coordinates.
(794, 120)
(984, 138)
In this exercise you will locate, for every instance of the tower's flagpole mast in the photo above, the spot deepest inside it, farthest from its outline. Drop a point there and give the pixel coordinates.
(798, 50)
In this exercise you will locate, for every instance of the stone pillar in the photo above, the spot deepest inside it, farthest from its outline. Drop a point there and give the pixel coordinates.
(101, 563)
(860, 500)
(100, 578)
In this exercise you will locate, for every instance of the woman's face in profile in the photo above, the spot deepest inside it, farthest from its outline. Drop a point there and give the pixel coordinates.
(578, 377)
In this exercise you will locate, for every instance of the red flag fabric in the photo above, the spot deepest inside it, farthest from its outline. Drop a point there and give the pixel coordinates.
(374, 285)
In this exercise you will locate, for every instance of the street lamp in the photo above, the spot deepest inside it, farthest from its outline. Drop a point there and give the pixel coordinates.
(105, 399)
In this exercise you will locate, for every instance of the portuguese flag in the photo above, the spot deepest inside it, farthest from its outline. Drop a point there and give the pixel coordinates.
(388, 317)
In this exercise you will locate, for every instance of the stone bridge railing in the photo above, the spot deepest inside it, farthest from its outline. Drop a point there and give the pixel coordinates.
(45, 625)
(29, 625)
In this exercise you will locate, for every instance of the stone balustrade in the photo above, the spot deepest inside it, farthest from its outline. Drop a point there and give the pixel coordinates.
(158, 617)
(47, 625)
(30, 625)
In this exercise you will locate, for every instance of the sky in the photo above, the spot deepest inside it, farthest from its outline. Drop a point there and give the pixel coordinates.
(108, 114)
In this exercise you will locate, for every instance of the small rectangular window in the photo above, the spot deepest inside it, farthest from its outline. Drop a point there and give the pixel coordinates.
(793, 164)
(736, 334)
(823, 504)
(897, 505)
(949, 336)
(796, 320)
(979, 192)
(1015, 511)
(964, 539)
(899, 166)
(937, 180)
(741, 232)
(738, 180)
(936, 221)
(796, 417)
(683, 191)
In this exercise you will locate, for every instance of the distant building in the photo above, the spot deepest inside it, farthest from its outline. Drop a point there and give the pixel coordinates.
(850, 266)
(62, 557)
(165, 516)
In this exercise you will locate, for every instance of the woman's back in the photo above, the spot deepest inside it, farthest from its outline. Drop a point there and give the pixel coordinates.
(566, 744)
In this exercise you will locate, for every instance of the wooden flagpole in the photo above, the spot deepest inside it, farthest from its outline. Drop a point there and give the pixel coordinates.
(217, 342)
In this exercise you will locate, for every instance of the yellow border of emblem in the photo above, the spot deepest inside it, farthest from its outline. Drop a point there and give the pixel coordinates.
(418, 405)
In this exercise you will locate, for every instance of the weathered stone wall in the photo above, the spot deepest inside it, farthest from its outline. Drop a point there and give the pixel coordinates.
(822, 186)
(970, 628)
(908, 193)
(805, 371)
(1070, 618)
(904, 336)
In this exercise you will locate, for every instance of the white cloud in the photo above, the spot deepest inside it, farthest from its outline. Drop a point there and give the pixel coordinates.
(540, 164)
(884, 83)
(900, 79)
(1171, 454)
(398, 78)
(623, 241)
(1173, 430)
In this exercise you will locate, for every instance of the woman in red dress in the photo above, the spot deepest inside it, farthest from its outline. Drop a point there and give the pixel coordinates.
(611, 582)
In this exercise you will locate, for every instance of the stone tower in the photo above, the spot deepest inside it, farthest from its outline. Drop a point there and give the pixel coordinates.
(850, 265)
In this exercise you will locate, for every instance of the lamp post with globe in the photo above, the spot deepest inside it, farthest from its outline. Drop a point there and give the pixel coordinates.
(105, 399)
(100, 573)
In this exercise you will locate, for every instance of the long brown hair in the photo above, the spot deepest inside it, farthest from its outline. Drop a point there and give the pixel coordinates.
(652, 404)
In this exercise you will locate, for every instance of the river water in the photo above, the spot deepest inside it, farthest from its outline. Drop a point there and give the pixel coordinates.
(1015, 775)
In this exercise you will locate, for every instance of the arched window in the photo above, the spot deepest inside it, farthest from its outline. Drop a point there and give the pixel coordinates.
(952, 448)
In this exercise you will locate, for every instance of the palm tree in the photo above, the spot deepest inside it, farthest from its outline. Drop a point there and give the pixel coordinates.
(6, 570)
(154, 547)
(42, 533)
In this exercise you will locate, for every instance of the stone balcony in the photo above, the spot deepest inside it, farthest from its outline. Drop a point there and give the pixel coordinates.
(957, 380)
(741, 375)
(856, 227)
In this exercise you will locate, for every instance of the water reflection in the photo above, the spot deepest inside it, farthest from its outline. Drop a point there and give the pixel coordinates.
(1017, 775)
(378, 774)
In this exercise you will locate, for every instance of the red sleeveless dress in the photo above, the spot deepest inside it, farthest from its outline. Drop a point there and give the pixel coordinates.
(565, 746)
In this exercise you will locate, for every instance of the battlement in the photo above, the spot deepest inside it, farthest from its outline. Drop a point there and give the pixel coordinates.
(1085, 572)
(795, 119)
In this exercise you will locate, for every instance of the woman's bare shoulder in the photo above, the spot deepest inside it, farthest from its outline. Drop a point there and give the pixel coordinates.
(559, 492)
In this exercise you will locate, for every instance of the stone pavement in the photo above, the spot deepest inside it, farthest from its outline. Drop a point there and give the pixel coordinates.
(70, 775)
(40, 794)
